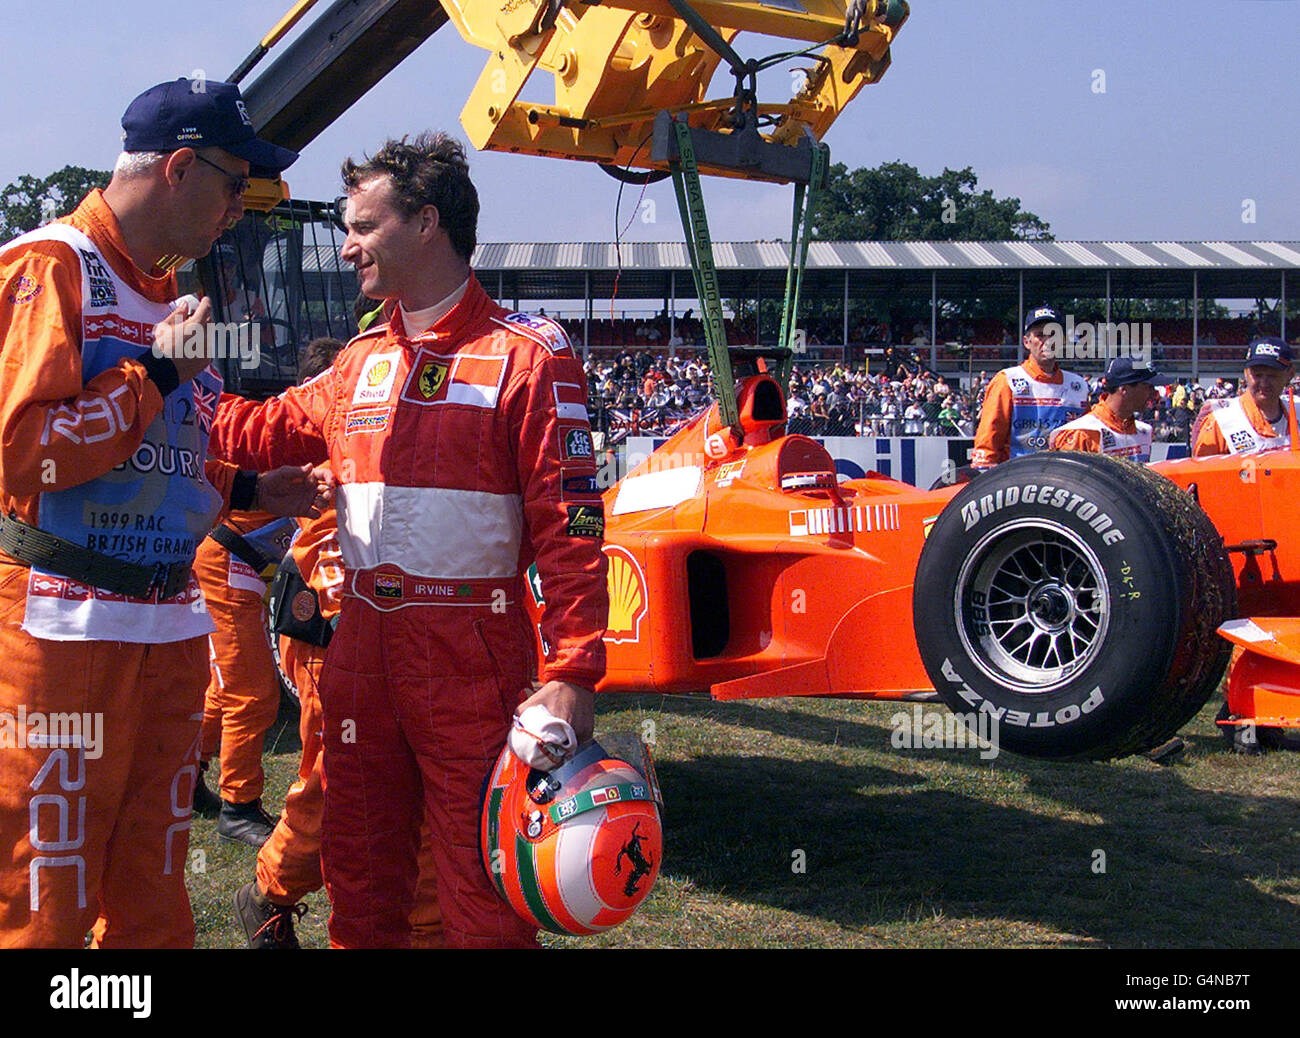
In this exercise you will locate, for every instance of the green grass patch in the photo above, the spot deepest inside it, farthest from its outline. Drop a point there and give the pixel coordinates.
(795, 823)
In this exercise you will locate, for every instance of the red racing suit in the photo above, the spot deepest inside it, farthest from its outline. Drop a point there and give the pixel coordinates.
(288, 864)
(94, 819)
(462, 454)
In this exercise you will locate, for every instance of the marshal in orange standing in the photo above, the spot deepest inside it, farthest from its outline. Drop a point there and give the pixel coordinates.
(1112, 427)
(105, 493)
(1257, 419)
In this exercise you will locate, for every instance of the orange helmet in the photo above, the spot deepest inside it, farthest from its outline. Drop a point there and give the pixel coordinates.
(577, 849)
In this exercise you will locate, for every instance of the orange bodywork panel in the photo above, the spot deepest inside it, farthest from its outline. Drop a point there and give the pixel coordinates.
(1252, 500)
(1264, 687)
(722, 581)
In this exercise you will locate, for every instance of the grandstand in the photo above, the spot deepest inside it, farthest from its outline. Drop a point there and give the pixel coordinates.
(859, 297)
(917, 284)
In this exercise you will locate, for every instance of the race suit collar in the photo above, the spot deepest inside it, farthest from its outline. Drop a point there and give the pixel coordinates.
(466, 313)
(417, 322)
(1111, 420)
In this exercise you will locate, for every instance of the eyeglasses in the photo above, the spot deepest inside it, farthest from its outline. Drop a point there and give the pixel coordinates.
(238, 183)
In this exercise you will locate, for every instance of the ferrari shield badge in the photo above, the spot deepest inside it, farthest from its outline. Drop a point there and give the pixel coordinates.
(431, 378)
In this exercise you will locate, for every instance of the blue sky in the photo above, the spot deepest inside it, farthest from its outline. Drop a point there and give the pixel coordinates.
(1198, 113)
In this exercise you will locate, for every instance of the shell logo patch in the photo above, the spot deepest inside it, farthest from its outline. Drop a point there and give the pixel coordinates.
(375, 385)
(628, 601)
(25, 290)
(431, 378)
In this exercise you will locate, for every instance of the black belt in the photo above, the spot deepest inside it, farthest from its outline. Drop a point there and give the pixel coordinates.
(53, 554)
(235, 543)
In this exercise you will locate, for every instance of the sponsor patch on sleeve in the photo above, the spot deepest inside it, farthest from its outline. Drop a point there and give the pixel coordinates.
(570, 401)
(575, 443)
(578, 485)
(24, 290)
(586, 521)
(543, 330)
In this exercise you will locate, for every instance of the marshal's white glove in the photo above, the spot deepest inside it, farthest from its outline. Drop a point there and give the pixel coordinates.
(541, 740)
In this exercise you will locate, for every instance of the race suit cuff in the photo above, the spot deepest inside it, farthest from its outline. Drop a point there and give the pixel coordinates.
(581, 678)
(162, 371)
(243, 491)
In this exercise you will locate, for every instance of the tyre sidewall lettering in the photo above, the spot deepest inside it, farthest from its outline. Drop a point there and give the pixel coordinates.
(1134, 558)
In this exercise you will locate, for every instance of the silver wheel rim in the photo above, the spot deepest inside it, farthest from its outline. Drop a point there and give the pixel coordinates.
(1032, 605)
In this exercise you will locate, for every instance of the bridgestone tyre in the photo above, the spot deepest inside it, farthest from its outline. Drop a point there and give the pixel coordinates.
(1074, 597)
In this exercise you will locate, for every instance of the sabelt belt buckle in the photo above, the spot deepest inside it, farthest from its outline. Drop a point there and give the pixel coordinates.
(387, 588)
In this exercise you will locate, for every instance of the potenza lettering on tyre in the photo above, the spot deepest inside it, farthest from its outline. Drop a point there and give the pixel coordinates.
(1020, 718)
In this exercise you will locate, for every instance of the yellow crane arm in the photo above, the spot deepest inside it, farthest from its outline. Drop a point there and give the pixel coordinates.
(617, 64)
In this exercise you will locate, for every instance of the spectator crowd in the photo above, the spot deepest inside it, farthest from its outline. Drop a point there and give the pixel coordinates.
(640, 393)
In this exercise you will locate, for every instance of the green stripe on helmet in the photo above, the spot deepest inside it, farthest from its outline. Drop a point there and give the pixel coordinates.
(529, 888)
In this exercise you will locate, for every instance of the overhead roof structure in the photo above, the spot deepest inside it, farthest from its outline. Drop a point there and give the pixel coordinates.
(1138, 269)
(891, 255)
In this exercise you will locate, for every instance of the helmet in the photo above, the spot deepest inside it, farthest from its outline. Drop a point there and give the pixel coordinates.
(577, 849)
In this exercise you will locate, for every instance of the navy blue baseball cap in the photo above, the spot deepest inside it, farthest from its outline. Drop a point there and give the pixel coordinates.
(200, 114)
(1039, 314)
(1271, 352)
(1121, 371)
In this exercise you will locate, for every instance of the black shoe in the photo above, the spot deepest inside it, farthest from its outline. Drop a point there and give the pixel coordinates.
(266, 925)
(206, 803)
(244, 823)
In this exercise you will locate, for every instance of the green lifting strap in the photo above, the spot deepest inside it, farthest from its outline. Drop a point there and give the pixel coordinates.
(699, 246)
(800, 234)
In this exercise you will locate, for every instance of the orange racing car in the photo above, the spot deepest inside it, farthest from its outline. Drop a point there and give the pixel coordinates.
(1073, 597)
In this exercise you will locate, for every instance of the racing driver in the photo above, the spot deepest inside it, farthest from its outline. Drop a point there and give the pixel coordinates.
(458, 433)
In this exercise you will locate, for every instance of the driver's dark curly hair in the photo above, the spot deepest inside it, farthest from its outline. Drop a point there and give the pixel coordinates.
(430, 170)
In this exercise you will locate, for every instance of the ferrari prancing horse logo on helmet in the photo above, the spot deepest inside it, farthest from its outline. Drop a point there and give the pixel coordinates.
(641, 864)
(432, 377)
